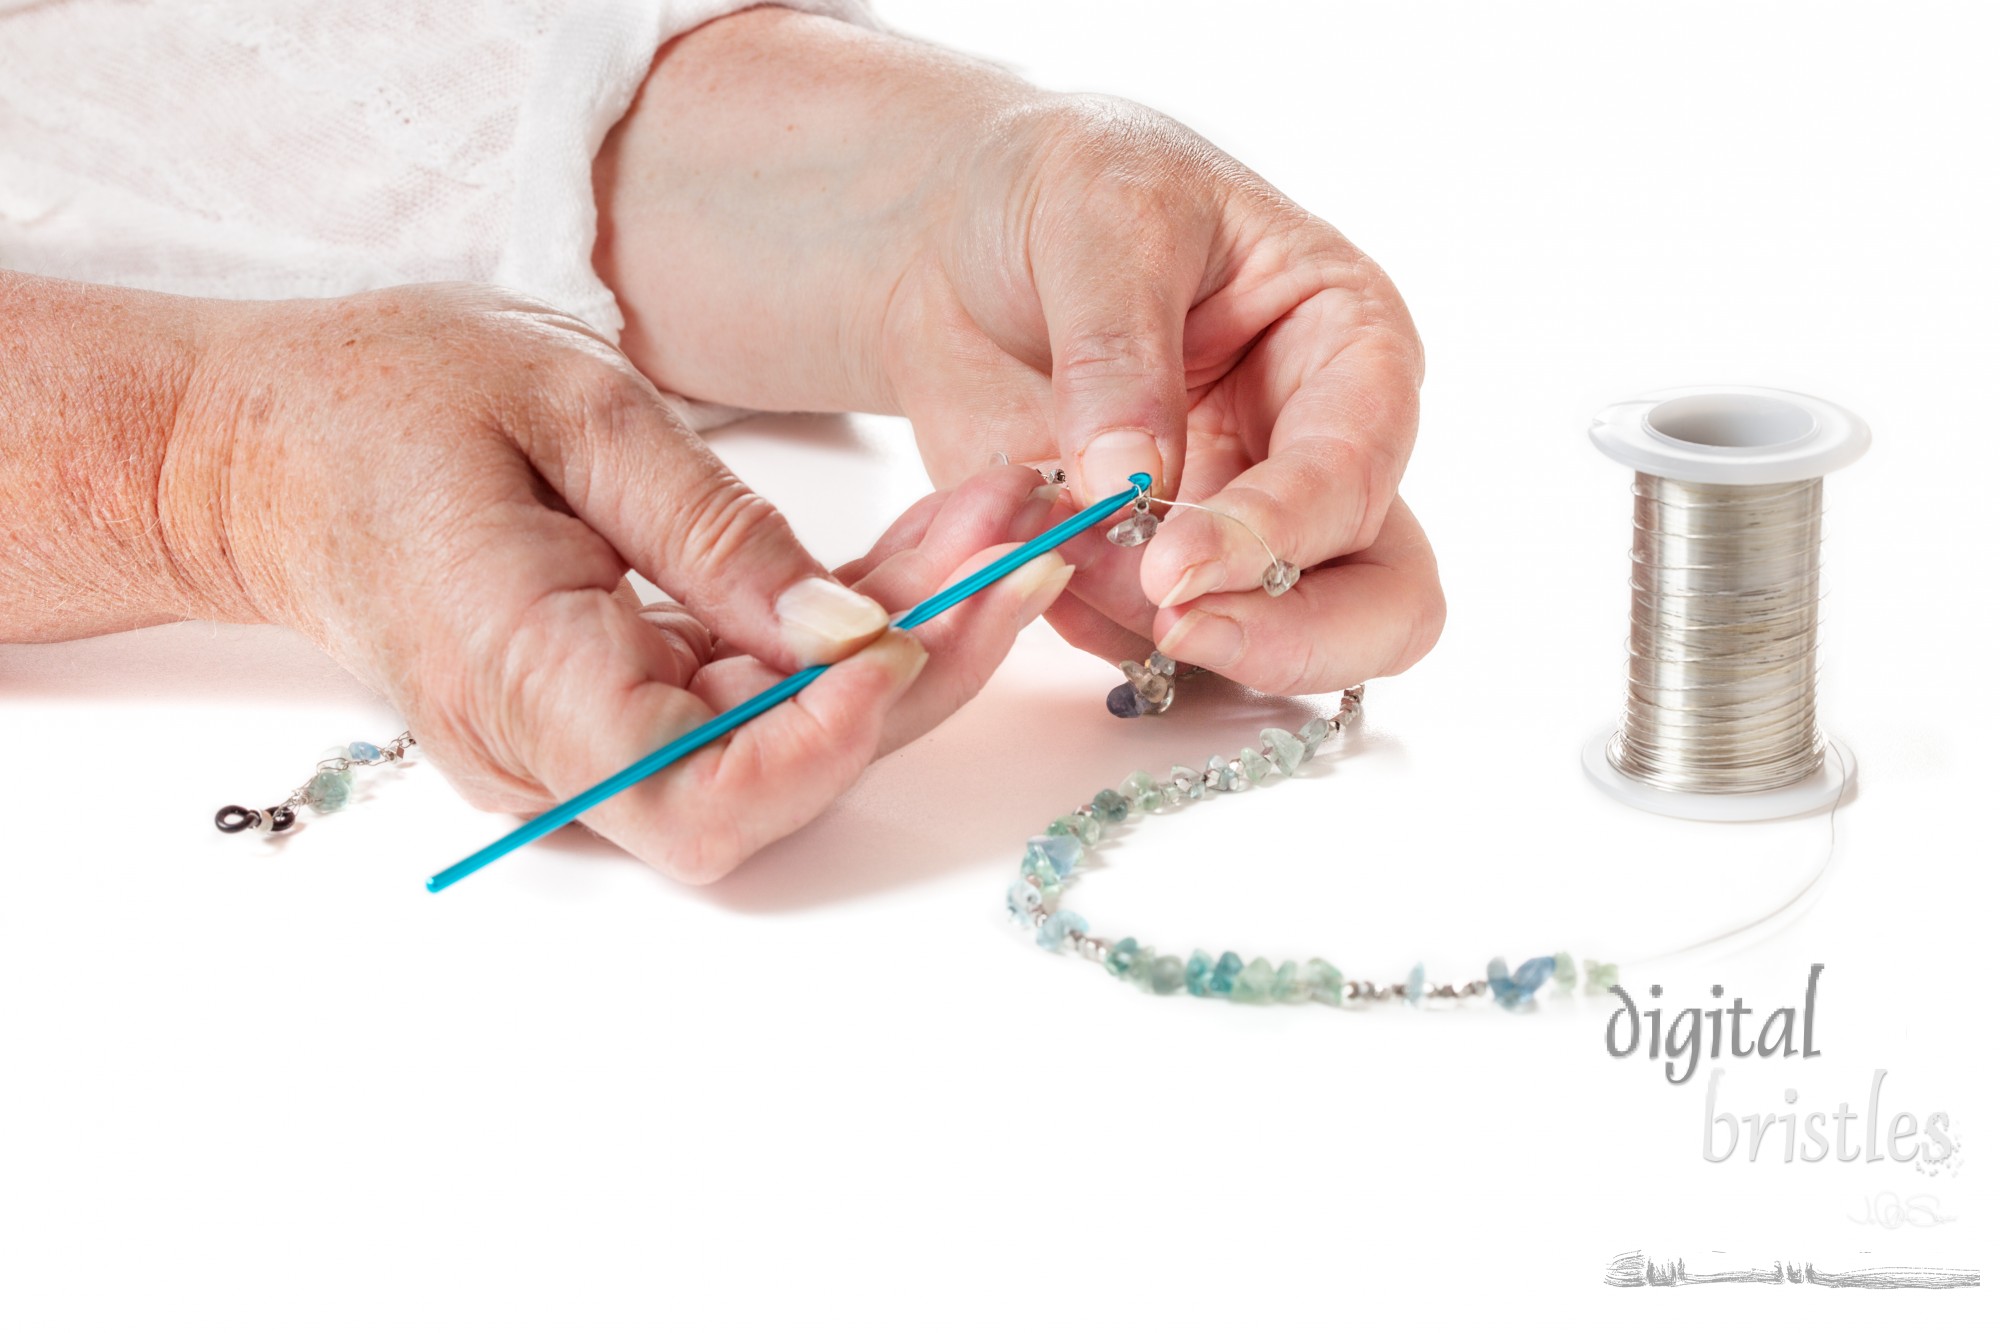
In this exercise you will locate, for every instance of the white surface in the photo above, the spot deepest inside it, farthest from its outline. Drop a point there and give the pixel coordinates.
(276, 1085)
(1730, 435)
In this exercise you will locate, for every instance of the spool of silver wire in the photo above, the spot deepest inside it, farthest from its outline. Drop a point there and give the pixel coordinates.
(1721, 717)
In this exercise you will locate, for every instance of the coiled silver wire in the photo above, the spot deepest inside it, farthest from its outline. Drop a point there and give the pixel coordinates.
(1723, 655)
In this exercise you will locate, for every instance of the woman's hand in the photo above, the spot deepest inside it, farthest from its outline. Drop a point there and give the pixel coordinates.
(1048, 277)
(445, 487)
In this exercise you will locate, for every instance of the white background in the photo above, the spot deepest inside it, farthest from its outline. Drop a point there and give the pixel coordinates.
(277, 1085)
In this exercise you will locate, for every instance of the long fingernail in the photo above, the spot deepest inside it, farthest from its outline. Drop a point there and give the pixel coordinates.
(1205, 639)
(1114, 456)
(1033, 515)
(1205, 577)
(1051, 575)
(824, 621)
(912, 657)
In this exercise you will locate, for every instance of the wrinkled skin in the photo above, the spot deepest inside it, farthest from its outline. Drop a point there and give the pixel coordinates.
(445, 486)
(1053, 277)
(493, 470)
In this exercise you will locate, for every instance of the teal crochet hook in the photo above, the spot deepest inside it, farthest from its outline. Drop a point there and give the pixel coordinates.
(721, 725)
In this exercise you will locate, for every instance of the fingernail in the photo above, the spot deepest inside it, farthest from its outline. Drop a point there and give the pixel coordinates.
(912, 657)
(1033, 515)
(1112, 457)
(1204, 639)
(824, 621)
(1050, 575)
(1205, 577)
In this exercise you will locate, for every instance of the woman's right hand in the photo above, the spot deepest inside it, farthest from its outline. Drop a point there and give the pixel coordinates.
(445, 487)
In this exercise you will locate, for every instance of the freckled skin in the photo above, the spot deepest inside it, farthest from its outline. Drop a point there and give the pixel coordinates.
(444, 486)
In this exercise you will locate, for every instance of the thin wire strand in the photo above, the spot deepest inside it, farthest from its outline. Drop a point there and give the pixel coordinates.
(1778, 919)
(1723, 655)
(1189, 504)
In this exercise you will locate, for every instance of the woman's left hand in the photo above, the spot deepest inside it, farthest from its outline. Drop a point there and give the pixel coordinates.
(1047, 277)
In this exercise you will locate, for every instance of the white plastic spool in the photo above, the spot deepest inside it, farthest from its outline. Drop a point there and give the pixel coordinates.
(1728, 435)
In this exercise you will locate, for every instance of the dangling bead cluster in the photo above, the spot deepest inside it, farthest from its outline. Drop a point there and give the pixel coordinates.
(1148, 687)
(327, 790)
(1034, 898)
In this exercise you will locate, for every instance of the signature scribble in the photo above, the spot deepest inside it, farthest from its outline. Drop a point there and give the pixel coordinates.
(1634, 1269)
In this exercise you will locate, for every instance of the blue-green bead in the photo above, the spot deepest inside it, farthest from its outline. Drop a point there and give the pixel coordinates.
(1413, 989)
(1142, 791)
(1061, 850)
(1291, 986)
(1312, 735)
(364, 752)
(1324, 982)
(1222, 977)
(1122, 955)
(1166, 974)
(1565, 972)
(1513, 991)
(1255, 983)
(1286, 750)
(1035, 864)
(1199, 965)
(1084, 828)
(329, 789)
(1023, 898)
(1056, 929)
(1255, 766)
(1533, 974)
(1195, 785)
(1599, 977)
(1110, 807)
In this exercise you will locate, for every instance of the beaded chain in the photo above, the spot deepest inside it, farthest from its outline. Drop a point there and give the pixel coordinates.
(1034, 899)
(327, 790)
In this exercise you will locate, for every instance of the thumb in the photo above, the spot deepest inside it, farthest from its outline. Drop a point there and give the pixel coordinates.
(1116, 369)
(674, 512)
